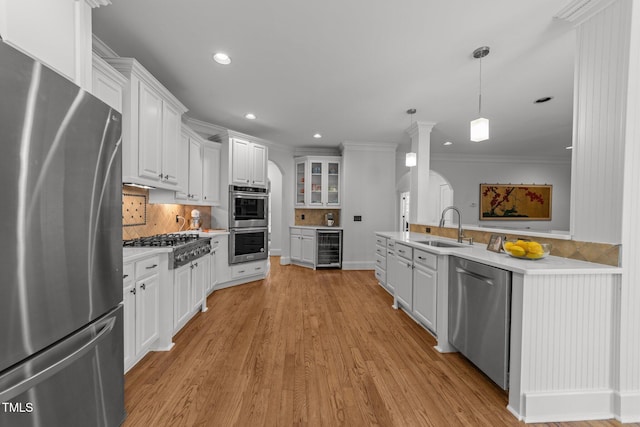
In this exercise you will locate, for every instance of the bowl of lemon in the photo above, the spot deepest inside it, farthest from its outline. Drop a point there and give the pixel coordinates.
(526, 249)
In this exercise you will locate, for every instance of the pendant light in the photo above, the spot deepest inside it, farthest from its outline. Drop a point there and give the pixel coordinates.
(411, 159)
(479, 128)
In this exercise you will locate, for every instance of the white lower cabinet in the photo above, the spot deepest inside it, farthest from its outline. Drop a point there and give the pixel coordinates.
(141, 297)
(402, 276)
(220, 270)
(381, 262)
(303, 246)
(189, 283)
(413, 276)
(425, 288)
(248, 269)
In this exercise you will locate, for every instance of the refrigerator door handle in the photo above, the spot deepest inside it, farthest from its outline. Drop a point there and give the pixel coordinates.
(12, 387)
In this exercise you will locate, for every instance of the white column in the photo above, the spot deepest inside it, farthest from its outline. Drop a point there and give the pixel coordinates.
(629, 369)
(420, 133)
(605, 176)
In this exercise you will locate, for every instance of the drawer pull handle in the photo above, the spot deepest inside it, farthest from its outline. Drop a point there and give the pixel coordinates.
(124, 276)
(151, 266)
(241, 271)
(421, 257)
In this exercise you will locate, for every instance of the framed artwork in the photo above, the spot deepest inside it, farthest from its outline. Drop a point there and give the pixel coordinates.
(515, 202)
(495, 243)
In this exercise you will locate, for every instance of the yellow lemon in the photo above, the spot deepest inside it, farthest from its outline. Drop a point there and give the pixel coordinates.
(533, 255)
(522, 244)
(507, 245)
(535, 247)
(517, 251)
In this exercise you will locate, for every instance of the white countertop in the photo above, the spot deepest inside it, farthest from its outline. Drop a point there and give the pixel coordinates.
(478, 252)
(316, 227)
(130, 254)
(213, 233)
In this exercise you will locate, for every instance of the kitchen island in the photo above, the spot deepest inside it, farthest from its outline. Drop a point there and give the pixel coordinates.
(562, 332)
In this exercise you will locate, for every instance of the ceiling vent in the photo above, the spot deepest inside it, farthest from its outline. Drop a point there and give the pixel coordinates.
(578, 11)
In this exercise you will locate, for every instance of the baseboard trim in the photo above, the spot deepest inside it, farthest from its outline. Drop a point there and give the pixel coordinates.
(567, 406)
(285, 260)
(358, 265)
(275, 252)
(627, 406)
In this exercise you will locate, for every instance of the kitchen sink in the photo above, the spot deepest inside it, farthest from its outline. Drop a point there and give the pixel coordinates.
(441, 244)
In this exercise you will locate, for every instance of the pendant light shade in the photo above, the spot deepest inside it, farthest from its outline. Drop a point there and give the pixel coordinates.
(411, 160)
(479, 128)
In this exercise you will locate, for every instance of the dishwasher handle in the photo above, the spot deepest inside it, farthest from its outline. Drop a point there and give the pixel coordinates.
(477, 276)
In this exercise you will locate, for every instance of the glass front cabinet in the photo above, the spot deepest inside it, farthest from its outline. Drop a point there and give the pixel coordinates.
(318, 182)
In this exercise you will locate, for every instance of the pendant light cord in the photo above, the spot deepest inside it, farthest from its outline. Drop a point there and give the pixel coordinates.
(480, 91)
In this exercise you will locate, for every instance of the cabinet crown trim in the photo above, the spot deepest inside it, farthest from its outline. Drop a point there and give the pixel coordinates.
(131, 67)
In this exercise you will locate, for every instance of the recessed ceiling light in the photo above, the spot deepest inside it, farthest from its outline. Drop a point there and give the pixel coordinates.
(317, 136)
(222, 58)
(543, 99)
(448, 143)
(250, 116)
(569, 147)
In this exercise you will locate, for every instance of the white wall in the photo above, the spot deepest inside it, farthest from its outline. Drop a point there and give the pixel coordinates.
(369, 186)
(465, 176)
(282, 158)
(275, 180)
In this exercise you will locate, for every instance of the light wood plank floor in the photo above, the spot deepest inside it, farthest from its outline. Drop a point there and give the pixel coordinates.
(310, 348)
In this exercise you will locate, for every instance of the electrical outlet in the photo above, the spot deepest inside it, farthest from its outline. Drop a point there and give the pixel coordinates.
(301, 216)
(428, 229)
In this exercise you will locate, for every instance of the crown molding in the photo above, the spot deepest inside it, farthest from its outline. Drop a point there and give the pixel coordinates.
(316, 151)
(578, 11)
(367, 146)
(102, 65)
(222, 133)
(101, 48)
(418, 127)
(499, 159)
(97, 3)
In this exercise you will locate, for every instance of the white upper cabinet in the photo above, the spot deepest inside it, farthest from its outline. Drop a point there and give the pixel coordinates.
(248, 163)
(56, 32)
(108, 84)
(211, 174)
(318, 181)
(202, 174)
(151, 130)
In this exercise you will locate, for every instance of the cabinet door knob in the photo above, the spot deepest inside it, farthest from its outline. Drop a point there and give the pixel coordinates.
(143, 286)
(133, 291)
(160, 176)
(166, 176)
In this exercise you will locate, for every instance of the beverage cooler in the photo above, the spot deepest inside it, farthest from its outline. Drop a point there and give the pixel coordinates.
(329, 248)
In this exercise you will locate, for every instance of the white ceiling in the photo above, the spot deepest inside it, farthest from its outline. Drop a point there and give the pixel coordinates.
(349, 69)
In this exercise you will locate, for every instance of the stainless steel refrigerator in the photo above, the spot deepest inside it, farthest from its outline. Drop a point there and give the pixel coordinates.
(61, 333)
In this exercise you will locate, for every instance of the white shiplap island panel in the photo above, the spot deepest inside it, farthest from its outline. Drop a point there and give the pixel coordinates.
(562, 336)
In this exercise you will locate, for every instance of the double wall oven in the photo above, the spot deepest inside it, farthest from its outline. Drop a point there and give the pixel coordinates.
(248, 224)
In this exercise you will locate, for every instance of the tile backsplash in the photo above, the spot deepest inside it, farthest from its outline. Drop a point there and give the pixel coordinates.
(316, 216)
(150, 219)
(600, 253)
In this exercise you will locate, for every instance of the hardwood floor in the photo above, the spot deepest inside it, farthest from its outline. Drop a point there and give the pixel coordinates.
(310, 348)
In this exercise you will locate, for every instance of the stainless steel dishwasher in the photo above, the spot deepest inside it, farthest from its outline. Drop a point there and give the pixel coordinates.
(479, 316)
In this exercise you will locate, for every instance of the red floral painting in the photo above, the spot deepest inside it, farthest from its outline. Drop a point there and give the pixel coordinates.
(515, 202)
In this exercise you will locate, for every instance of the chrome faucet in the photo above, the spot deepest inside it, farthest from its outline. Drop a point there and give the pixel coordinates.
(460, 231)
